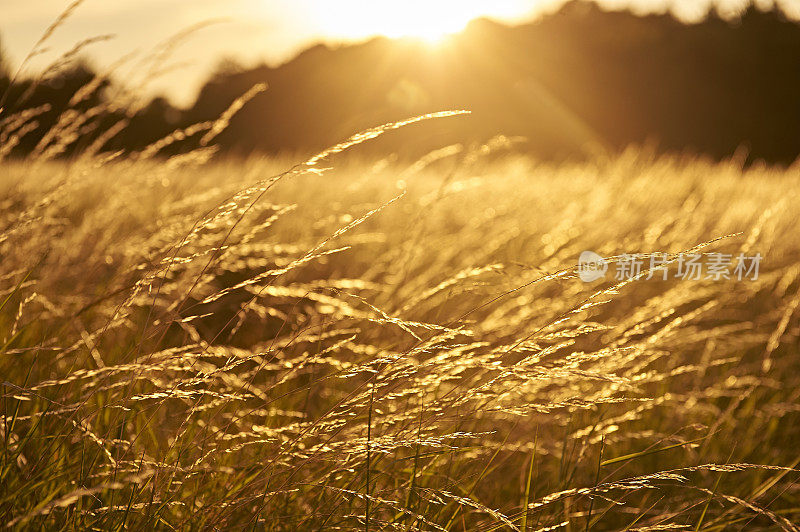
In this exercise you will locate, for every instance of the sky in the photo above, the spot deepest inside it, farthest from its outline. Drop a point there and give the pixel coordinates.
(251, 31)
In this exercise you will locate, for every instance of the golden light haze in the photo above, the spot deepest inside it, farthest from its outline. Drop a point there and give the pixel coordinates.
(269, 30)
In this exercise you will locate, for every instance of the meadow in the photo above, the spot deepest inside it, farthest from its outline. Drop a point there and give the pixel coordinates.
(204, 343)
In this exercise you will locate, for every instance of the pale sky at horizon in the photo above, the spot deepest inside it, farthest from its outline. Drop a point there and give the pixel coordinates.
(265, 30)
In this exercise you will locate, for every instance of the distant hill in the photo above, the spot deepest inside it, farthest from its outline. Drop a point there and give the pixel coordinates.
(571, 82)
(579, 78)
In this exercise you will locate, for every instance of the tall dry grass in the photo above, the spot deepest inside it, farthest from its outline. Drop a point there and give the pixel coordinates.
(201, 343)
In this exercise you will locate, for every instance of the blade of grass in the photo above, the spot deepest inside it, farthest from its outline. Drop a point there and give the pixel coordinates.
(526, 501)
(632, 456)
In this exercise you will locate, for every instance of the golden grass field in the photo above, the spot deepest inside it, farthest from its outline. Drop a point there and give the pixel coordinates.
(354, 343)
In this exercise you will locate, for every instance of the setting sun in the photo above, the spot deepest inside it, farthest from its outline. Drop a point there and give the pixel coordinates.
(426, 20)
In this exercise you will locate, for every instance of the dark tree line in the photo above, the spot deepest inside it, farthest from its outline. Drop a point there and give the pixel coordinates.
(569, 82)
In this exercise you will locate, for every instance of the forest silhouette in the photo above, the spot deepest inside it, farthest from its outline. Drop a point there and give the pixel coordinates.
(573, 82)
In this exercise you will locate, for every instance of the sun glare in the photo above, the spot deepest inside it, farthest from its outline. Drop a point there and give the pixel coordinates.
(428, 20)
